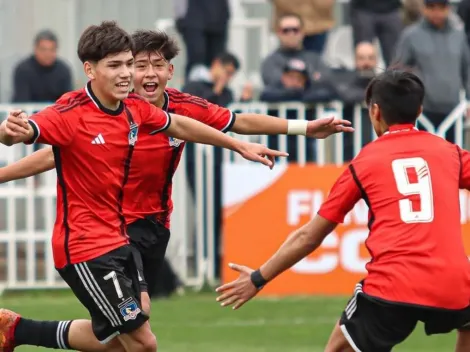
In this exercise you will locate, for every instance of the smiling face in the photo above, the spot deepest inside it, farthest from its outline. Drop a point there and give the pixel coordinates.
(152, 73)
(111, 77)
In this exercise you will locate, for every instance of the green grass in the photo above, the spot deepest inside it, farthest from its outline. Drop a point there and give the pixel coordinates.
(196, 323)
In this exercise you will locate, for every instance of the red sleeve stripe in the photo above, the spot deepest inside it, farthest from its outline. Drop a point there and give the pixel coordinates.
(187, 97)
(190, 102)
(180, 97)
(72, 104)
(78, 96)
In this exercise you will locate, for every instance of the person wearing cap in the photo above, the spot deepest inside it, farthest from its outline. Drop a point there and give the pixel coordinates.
(297, 84)
(292, 84)
(437, 50)
(290, 32)
(42, 77)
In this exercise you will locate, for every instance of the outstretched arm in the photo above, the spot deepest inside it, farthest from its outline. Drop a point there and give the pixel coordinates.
(225, 120)
(34, 164)
(270, 125)
(298, 245)
(342, 198)
(190, 130)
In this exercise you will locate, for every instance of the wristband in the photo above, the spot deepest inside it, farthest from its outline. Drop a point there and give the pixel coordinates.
(257, 279)
(297, 127)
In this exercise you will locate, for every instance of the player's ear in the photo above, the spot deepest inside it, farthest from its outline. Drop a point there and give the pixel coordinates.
(374, 112)
(89, 69)
(171, 70)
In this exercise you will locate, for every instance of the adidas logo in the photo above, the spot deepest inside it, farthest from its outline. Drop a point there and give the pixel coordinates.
(98, 140)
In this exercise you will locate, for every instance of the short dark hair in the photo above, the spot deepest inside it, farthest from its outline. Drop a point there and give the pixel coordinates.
(155, 41)
(287, 15)
(45, 34)
(228, 59)
(399, 95)
(97, 42)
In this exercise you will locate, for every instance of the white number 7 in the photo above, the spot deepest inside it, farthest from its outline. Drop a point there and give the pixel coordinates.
(423, 188)
(112, 275)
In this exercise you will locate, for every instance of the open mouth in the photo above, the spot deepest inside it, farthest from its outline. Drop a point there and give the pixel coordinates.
(150, 87)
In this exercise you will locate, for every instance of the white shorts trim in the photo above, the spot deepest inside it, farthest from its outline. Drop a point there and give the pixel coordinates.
(109, 338)
(349, 338)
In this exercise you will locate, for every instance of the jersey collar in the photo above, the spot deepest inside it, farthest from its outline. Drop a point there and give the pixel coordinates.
(100, 106)
(401, 128)
(166, 102)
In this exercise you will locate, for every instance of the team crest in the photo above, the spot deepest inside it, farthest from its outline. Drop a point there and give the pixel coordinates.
(134, 129)
(175, 142)
(129, 309)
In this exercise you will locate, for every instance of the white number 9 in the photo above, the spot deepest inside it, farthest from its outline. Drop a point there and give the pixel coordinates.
(423, 188)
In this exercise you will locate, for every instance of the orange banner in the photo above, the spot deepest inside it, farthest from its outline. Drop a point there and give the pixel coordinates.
(262, 207)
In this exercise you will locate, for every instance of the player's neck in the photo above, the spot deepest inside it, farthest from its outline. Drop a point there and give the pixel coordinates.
(108, 103)
(160, 101)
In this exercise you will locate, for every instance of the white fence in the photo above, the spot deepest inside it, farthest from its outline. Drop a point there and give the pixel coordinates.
(27, 207)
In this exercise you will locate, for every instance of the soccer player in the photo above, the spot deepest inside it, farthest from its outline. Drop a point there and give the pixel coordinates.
(147, 204)
(419, 270)
(94, 132)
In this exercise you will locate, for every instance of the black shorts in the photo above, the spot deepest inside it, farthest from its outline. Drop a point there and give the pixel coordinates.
(374, 325)
(150, 239)
(108, 286)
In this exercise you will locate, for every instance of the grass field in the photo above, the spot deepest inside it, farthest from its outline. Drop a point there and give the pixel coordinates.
(196, 323)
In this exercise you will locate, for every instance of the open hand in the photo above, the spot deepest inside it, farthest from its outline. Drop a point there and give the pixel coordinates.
(322, 128)
(237, 292)
(260, 153)
(17, 124)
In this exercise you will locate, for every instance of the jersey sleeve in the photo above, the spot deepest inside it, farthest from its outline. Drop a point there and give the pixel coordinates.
(50, 126)
(154, 119)
(344, 194)
(464, 181)
(212, 115)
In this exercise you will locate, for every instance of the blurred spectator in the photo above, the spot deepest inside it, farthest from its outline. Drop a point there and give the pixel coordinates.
(280, 70)
(463, 11)
(412, 10)
(212, 84)
(292, 85)
(377, 18)
(351, 87)
(438, 51)
(296, 85)
(317, 18)
(203, 24)
(42, 77)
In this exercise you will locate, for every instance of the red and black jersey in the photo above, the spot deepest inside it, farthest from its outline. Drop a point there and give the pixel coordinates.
(93, 147)
(148, 190)
(410, 180)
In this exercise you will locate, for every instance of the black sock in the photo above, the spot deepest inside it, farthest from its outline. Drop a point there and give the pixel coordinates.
(49, 334)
